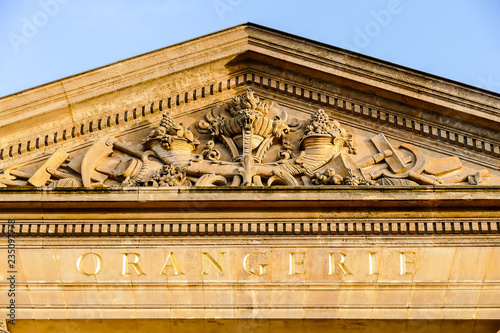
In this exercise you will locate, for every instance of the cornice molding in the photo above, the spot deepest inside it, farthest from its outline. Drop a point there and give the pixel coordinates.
(379, 73)
(329, 196)
(262, 229)
(188, 212)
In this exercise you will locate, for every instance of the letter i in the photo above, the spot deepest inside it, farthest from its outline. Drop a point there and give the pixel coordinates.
(371, 260)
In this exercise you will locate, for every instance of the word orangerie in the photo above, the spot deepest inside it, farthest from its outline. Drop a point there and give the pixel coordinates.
(254, 263)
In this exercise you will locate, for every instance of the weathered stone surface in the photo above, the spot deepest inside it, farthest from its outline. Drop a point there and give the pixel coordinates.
(248, 142)
(297, 186)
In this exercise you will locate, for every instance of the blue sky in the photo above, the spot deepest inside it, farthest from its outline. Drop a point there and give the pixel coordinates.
(45, 40)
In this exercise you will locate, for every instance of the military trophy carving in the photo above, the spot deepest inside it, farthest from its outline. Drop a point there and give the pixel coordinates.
(307, 152)
(3, 326)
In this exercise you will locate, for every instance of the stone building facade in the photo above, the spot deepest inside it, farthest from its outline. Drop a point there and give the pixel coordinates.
(250, 181)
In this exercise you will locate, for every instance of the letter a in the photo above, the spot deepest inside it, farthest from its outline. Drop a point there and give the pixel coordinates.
(174, 265)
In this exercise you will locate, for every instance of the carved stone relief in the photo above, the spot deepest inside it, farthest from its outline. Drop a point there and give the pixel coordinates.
(3, 326)
(246, 142)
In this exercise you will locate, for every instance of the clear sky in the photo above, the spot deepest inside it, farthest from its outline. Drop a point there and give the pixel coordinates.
(45, 40)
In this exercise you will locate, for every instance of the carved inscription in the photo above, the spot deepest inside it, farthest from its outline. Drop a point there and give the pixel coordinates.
(261, 267)
(97, 264)
(253, 263)
(407, 266)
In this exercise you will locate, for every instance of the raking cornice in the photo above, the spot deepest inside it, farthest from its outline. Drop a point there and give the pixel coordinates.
(376, 76)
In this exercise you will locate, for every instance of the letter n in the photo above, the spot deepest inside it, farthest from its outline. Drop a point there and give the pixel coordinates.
(219, 267)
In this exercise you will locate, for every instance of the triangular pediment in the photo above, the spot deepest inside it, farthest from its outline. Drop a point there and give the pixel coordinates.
(250, 106)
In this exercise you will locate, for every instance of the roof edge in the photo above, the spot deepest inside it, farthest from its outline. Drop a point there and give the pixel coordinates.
(277, 31)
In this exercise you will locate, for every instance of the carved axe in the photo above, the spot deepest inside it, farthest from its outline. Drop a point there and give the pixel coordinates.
(100, 149)
(396, 165)
(42, 175)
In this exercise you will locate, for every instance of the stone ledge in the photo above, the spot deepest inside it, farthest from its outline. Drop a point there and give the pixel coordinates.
(316, 322)
(233, 211)
(340, 193)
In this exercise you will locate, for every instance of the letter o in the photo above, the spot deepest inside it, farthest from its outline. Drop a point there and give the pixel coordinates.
(40, 19)
(372, 29)
(96, 270)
